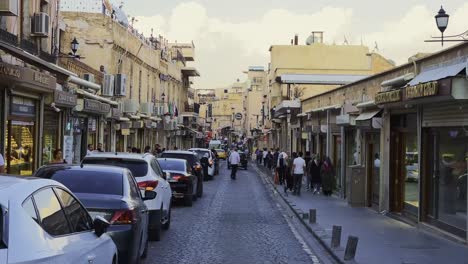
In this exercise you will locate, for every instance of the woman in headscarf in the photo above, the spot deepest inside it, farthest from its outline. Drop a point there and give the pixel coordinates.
(328, 177)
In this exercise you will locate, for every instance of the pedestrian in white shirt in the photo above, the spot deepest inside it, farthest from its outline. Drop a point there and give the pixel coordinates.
(234, 160)
(265, 153)
(299, 165)
(2, 164)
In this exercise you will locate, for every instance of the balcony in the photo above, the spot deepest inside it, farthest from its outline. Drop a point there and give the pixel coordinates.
(28, 46)
(9, 38)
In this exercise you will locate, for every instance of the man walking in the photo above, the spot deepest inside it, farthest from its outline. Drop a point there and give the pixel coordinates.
(265, 153)
(234, 160)
(298, 171)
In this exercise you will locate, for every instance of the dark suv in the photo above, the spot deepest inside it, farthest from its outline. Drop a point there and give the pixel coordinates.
(194, 162)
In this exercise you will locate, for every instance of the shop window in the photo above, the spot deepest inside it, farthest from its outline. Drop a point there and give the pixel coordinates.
(50, 136)
(20, 147)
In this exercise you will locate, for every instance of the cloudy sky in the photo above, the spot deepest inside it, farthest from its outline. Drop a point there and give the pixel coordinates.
(231, 35)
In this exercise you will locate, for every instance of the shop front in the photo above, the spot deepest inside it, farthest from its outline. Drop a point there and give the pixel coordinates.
(22, 91)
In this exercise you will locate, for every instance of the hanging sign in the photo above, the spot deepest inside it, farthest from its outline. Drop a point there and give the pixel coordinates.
(20, 106)
(421, 90)
(388, 97)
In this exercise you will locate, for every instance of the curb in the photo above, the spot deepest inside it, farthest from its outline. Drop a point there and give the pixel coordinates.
(318, 232)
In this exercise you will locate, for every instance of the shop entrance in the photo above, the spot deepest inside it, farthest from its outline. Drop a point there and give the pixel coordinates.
(404, 167)
(20, 147)
(373, 169)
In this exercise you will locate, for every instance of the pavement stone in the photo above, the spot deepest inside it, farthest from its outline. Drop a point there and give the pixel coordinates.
(382, 239)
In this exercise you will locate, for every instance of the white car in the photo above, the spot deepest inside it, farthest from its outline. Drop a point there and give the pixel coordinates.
(149, 175)
(41, 221)
(201, 153)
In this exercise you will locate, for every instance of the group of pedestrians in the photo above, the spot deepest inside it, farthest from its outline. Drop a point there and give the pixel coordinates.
(290, 171)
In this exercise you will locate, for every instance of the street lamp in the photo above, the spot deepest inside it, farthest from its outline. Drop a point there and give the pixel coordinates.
(442, 19)
(163, 96)
(74, 46)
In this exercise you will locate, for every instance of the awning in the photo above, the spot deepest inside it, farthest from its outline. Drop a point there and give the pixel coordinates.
(96, 97)
(190, 71)
(123, 119)
(85, 83)
(34, 60)
(330, 79)
(438, 73)
(134, 117)
(192, 130)
(156, 119)
(144, 116)
(366, 115)
(366, 104)
(325, 108)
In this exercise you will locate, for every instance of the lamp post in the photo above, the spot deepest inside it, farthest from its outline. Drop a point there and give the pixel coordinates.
(442, 19)
(74, 45)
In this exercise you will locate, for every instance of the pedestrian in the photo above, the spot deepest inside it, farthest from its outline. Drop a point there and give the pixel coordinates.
(176, 148)
(282, 160)
(307, 159)
(205, 162)
(288, 176)
(234, 160)
(157, 150)
(258, 155)
(2, 164)
(147, 149)
(298, 170)
(269, 160)
(328, 177)
(264, 156)
(134, 150)
(314, 171)
(58, 157)
(100, 148)
(129, 149)
(90, 149)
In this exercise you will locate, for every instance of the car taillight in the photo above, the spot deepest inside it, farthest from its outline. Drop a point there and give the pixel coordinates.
(148, 185)
(123, 217)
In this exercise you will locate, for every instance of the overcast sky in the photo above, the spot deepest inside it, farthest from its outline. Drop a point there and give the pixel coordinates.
(231, 35)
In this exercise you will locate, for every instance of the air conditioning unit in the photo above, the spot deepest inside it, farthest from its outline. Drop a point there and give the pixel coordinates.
(89, 77)
(9, 8)
(130, 106)
(147, 108)
(120, 87)
(40, 25)
(108, 87)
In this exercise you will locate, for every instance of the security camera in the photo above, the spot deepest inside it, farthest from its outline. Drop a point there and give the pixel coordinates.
(56, 109)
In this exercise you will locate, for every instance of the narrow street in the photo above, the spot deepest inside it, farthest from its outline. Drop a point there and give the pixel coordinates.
(234, 222)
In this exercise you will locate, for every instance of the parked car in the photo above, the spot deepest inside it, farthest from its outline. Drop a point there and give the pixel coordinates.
(147, 172)
(183, 182)
(113, 195)
(41, 221)
(194, 163)
(243, 160)
(201, 152)
(221, 154)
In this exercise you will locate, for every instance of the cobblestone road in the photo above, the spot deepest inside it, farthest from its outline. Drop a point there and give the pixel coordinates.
(234, 222)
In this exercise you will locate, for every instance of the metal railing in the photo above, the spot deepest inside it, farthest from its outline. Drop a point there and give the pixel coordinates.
(28, 46)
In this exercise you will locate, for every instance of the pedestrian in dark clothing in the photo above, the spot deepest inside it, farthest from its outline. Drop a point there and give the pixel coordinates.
(328, 177)
(307, 160)
(314, 168)
(205, 162)
(282, 165)
(147, 149)
(275, 159)
(288, 175)
(269, 159)
(258, 156)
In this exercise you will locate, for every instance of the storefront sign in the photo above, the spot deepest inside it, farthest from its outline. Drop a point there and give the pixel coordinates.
(388, 97)
(148, 123)
(105, 108)
(125, 125)
(62, 98)
(41, 78)
(115, 113)
(137, 124)
(10, 71)
(92, 106)
(421, 90)
(20, 76)
(20, 106)
(125, 132)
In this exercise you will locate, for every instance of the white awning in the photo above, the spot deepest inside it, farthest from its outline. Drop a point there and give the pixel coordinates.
(366, 104)
(438, 73)
(325, 108)
(123, 119)
(85, 83)
(338, 79)
(96, 97)
(366, 115)
(156, 119)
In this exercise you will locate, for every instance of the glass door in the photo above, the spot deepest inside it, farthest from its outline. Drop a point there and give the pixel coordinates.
(20, 147)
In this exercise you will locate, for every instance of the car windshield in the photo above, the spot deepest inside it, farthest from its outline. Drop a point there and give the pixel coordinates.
(139, 168)
(188, 157)
(78, 181)
(172, 165)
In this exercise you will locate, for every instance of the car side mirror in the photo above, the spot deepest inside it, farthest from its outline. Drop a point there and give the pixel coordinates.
(100, 225)
(149, 195)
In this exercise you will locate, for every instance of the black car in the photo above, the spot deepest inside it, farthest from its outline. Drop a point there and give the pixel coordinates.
(181, 179)
(194, 163)
(243, 160)
(114, 195)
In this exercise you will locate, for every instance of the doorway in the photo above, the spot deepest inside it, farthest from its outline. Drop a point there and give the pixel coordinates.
(373, 169)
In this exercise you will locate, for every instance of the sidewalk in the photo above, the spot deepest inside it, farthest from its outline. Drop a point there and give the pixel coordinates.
(381, 239)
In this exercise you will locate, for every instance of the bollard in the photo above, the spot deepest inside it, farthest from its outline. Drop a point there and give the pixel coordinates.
(351, 247)
(312, 216)
(336, 236)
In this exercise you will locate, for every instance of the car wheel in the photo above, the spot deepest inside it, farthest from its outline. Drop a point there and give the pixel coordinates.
(168, 222)
(145, 251)
(188, 200)
(155, 233)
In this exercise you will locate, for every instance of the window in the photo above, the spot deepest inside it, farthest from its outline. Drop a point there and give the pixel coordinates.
(173, 165)
(79, 219)
(139, 168)
(28, 206)
(134, 191)
(52, 218)
(155, 166)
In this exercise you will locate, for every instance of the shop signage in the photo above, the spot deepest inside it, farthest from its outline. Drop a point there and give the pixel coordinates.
(62, 98)
(125, 132)
(388, 97)
(20, 106)
(92, 106)
(105, 108)
(10, 71)
(41, 78)
(421, 90)
(148, 123)
(125, 125)
(137, 124)
(116, 113)
(21, 76)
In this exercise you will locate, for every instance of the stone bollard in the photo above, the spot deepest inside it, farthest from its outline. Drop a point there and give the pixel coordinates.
(336, 236)
(351, 247)
(312, 216)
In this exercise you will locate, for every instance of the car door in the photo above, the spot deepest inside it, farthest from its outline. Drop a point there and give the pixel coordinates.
(92, 248)
(140, 209)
